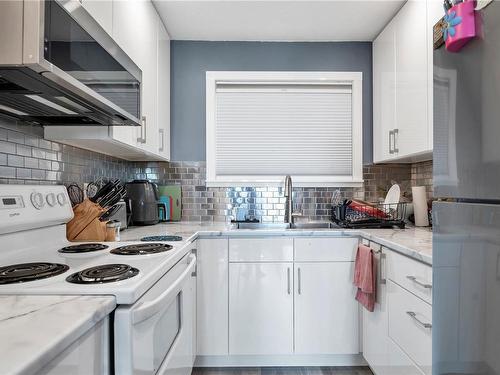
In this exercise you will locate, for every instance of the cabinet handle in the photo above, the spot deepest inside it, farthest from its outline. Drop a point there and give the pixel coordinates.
(162, 140)
(395, 134)
(391, 133)
(416, 281)
(288, 280)
(382, 261)
(299, 281)
(414, 317)
(142, 138)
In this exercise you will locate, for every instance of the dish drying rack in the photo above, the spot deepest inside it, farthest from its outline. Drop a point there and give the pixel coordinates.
(356, 215)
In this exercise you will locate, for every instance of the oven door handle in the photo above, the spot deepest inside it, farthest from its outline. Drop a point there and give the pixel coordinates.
(148, 309)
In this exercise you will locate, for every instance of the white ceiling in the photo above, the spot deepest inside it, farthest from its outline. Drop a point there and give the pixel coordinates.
(276, 20)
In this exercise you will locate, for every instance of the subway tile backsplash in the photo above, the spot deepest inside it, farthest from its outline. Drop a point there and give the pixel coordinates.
(27, 158)
(201, 203)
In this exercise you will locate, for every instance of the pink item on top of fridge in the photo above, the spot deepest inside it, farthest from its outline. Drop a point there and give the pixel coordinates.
(460, 26)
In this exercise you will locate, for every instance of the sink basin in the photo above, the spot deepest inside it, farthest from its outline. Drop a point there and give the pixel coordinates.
(280, 226)
(263, 226)
(319, 225)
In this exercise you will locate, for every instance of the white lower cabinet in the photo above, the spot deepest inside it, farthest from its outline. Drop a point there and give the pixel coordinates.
(88, 355)
(260, 308)
(212, 297)
(326, 313)
(394, 342)
(410, 325)
(277, 301)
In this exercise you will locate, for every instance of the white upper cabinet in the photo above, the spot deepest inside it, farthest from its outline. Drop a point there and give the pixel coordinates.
(402, 86)
(101, 11)
(412, 126)
(138, 30)
(384, 92)
(135, 29)
(163, 94)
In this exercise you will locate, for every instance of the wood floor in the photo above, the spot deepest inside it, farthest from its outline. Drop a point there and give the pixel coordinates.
(282, 371)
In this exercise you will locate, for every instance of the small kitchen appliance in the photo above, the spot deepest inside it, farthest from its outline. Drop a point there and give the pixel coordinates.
(144, 200)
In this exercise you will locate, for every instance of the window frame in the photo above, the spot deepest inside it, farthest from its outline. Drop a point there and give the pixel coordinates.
(354, 79)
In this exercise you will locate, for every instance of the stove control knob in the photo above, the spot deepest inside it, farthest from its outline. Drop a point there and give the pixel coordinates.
(51, 199)
(61, 199)
(37, 200)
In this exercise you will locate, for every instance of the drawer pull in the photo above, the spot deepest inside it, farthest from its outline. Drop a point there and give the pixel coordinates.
(416, 281)
(414, 317)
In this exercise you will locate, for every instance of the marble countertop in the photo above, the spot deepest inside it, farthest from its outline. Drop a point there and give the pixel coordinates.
(36, 329)
(413, 242)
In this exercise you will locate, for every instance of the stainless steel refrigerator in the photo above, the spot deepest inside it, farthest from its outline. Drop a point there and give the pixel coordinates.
(466, 242)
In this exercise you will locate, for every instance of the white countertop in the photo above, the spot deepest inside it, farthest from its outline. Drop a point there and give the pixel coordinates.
(36, 329)
(413, 242)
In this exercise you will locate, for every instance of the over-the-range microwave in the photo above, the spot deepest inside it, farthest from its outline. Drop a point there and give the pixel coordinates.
(58, 66)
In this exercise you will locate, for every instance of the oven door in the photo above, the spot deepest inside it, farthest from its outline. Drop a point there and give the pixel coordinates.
(155, 335)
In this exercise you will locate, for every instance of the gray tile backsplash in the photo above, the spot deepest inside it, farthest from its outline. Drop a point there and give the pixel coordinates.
(27, 158)
(201, 203)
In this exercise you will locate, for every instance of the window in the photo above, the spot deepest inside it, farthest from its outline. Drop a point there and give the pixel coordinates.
(262, 126)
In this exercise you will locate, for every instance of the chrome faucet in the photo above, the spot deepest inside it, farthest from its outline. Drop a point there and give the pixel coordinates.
(289, 214)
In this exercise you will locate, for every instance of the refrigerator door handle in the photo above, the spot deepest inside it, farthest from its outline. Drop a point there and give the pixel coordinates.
(498, 266)
(391, 134)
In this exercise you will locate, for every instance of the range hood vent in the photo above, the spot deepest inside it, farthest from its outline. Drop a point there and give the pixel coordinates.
(29, 96)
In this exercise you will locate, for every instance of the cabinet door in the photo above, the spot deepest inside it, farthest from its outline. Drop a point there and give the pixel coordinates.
(163, 95)
(326, 313)
(379, 350)
(101, 11)
(212, 297)
(412, 79)
(434, 13)
(260, 308)
(384, 92)
(376, 346)
(135, 28)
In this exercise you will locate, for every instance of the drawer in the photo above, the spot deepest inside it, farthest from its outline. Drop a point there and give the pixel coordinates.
(407, 316)
(410, 274)
(325, 249)
(268, 249)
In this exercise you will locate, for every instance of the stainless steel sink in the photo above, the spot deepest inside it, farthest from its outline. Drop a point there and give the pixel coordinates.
(278, 226)
(319, 225)
(281, 226)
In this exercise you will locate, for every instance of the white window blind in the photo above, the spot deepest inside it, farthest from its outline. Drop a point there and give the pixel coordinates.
(266, 130)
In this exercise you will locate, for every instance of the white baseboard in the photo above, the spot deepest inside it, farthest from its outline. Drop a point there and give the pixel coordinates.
(280, 360)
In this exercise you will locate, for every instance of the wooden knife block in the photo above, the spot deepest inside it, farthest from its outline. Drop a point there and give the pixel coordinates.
(85, 225)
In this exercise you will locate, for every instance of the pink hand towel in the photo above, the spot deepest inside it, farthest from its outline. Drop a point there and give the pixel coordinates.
(365, 277)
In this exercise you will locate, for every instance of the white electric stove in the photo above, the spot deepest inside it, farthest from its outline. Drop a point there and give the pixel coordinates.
(154, 283)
